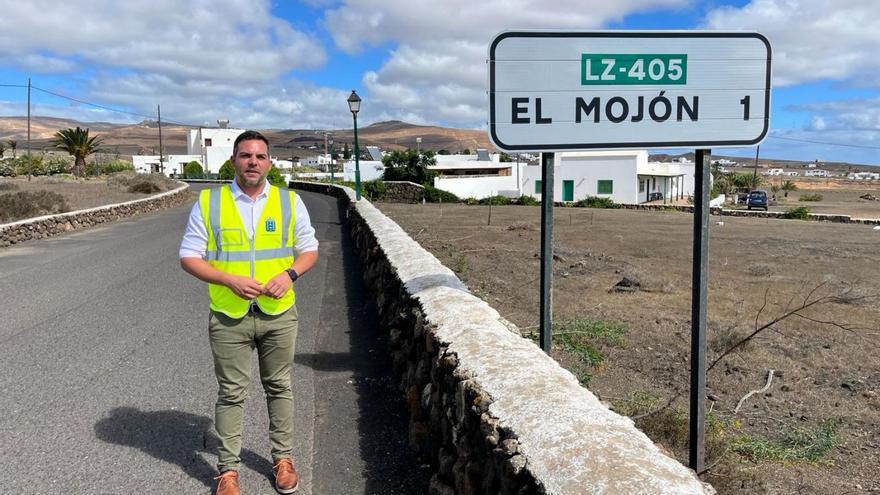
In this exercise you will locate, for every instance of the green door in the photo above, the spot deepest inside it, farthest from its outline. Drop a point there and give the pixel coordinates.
(568, 190)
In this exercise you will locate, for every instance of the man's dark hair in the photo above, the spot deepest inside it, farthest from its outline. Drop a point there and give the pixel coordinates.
(248, 136)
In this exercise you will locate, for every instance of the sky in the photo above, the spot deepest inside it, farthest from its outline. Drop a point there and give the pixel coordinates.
(292, 63)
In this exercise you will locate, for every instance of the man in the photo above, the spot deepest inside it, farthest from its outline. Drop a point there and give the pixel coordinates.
(250, 241)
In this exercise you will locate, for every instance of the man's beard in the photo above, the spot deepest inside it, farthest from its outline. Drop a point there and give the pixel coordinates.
(244, 180)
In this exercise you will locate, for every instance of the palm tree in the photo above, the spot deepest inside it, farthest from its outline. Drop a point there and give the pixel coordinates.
(788, 186)
(78, 143)
(775, 190)
(12, 144)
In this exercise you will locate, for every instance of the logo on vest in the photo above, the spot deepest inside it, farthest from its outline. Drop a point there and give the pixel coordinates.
(270, 225)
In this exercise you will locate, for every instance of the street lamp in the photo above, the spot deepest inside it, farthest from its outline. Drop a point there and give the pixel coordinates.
(354, 104)
(330, 163)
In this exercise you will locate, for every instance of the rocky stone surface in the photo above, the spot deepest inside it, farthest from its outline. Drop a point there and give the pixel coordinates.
(489, 411)
(48, 226)
(404, 192)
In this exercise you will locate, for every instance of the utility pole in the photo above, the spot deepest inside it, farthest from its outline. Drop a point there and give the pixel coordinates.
(161, 155)
(30, 163)
(755, 174)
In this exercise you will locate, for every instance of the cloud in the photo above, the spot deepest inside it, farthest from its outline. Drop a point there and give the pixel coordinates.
(861, 114)
(270, 104)
(192, 39)
(812, 39)
(437, 71)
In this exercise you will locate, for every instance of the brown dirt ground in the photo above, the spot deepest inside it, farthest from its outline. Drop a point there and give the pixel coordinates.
(838, 197)
(823, 372)
(79, 194)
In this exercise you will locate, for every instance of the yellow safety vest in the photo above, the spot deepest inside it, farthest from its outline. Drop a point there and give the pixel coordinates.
(262, 257)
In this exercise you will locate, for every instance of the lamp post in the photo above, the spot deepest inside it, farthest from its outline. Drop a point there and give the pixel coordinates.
(330, 163)
(354, 104)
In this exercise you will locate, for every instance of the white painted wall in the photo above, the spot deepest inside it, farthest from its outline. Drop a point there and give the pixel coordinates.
(174, 164)
(370, 170)
(586, 169)
(212, 157)
(476, 187)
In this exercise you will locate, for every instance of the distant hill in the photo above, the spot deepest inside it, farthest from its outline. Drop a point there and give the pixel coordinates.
(143, 138)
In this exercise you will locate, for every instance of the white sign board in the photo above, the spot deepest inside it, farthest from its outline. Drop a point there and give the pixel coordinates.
(555, 91)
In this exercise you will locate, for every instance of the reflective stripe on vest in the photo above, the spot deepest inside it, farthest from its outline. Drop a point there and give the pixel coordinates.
(266, 254)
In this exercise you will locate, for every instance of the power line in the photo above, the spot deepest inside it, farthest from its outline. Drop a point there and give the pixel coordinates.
(92, 104)
(862, 146)
(96, 105)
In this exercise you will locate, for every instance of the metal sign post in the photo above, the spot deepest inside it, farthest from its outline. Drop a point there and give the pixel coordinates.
(547, 163)
(553, 91)
(699, 301)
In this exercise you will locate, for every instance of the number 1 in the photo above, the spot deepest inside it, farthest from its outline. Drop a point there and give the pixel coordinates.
(745, 103)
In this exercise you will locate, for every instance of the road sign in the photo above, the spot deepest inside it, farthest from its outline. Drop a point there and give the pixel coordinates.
(556, 91)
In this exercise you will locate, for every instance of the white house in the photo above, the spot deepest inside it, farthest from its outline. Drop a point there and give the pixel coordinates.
(212, 145)
(320, 162)
(864, 176)
(622, 176)
(149, 164)
(773, 171)
(476, 176)
(818, 172)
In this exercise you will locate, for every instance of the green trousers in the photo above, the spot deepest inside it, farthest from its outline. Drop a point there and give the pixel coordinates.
(232, 344)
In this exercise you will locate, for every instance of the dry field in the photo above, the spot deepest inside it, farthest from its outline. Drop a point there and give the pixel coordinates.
(77, 194)
(838, 197)
(816, 430)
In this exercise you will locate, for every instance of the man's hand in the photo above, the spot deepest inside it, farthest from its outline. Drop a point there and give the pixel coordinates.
(244, 287)
(278, 286)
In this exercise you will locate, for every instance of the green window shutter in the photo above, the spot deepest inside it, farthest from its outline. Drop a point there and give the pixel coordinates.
(606, 187)
(538, 187)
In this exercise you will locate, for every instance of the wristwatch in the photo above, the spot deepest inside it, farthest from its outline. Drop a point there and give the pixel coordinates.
(293, 275)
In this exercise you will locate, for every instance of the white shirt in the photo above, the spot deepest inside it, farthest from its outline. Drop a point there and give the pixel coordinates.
(195, 237)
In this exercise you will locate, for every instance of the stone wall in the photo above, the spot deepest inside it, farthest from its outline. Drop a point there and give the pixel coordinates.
(48, 226)
(404, 192)
(489, 411)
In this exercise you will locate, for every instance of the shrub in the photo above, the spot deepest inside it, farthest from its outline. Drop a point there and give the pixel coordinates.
(495, 200)
(56, 165)
(115, 166)
(26, 204)
(799, 213)
(275, 178)
(226, 171)
(376, 190)
(808, 443)
(810, 197)
(526, 200)
(472, 201)
(434, 195)
(127, 180)
(595, 202)
(8, 186)
(7, 168)
(33, 164)
(144, 186)
(193, 170)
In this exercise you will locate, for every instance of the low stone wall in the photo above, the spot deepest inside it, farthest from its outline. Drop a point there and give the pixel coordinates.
(50, 225)
(489, 411)
(404, 192)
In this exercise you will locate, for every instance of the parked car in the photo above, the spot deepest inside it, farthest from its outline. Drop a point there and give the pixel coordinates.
(757, 199)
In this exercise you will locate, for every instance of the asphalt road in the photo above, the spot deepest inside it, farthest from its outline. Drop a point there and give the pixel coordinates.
(106, 381)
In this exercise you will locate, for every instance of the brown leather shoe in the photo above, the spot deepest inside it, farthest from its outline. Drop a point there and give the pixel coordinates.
(227, 483)
(286, 477)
